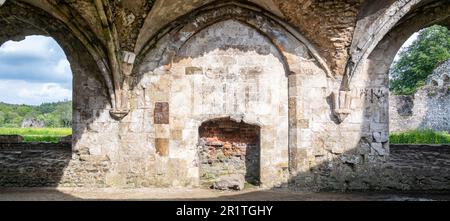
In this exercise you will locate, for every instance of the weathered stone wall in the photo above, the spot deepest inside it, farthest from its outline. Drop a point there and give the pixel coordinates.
(49, 164)
(409, 167)
(329, 24)
(225, 70)
(136, 121)
(417, 167)
(229, 148)
(429, 108)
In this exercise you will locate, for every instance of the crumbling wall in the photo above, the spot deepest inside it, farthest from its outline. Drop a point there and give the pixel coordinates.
(427, 109)
(229, 148)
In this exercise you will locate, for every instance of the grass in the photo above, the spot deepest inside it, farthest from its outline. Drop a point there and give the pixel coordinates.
(420, 137)
(38, 134)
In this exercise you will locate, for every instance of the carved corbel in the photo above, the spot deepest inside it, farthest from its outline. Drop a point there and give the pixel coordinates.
(120, 109)
(342, 105)
(127, 59)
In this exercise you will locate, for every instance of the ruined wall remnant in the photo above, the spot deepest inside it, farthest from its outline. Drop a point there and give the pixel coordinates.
(32, 123)
(428, 108)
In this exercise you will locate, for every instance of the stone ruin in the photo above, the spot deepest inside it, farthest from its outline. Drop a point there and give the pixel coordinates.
(32, 123)
(307, 79)
(428, 108)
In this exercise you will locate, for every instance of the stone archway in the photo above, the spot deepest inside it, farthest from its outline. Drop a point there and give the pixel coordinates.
(91, 105)
(230, 61)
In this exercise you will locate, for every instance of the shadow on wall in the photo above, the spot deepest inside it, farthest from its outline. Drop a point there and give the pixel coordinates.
(44, 165)
(33, 164)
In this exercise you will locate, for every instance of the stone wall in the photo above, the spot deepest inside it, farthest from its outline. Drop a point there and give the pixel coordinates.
(136, 121)
(428, 108)
(419, 167)
(49, 164)
(408, 168)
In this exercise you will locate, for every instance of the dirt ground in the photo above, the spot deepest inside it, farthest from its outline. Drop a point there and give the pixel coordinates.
(171, 194)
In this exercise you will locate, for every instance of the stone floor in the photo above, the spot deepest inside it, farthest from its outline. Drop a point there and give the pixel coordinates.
(72, 194)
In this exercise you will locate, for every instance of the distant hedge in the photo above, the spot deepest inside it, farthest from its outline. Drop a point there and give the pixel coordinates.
(420, 137)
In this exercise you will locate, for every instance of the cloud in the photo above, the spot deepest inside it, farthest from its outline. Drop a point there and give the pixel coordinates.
(34, 71)
(35, 59)
(32, 93)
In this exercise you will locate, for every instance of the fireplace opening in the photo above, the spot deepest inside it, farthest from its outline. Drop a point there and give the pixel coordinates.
(229, 149)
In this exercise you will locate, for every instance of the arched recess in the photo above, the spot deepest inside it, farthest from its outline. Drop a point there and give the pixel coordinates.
(90, 88)
(180, 57)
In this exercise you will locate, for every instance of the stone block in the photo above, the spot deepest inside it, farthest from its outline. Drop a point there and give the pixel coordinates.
(380, 137)
(231, 182)
(378, 147)
(161, 113)
(193, 70)
(162, 131)
(303, 123)
(162, 146)
(176, 134)
(11, 139)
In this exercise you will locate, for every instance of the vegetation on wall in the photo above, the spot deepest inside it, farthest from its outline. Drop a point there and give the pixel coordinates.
(54, 115)
(420, 137)
(418, 61)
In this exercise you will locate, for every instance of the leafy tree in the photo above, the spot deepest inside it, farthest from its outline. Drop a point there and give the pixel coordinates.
(57, 114)
(418, 61)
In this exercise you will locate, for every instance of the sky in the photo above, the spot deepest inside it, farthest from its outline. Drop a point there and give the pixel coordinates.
(407, 44)
(34, 71)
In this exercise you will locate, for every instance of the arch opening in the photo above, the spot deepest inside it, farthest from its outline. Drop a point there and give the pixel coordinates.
(228, 148)
(418, 105)
(35, 90)
(55, 164)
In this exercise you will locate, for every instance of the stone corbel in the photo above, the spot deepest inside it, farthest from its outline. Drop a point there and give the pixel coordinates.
(121, 111)
(342, 105)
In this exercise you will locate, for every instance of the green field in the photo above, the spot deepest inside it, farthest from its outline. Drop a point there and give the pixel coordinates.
(420, 137)
(38, 134)
(54, 134)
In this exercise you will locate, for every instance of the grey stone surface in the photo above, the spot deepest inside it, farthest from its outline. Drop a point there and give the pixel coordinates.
(32, 123)
(11, 139)
(230, 182)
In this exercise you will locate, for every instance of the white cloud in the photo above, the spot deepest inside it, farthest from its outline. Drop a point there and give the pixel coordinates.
(33, 93)
(34, 71)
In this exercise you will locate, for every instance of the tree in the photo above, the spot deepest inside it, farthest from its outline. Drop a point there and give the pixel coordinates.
(418, 61)
(57, 114)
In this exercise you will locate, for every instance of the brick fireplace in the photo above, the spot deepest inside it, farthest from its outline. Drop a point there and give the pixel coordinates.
(227, 148)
